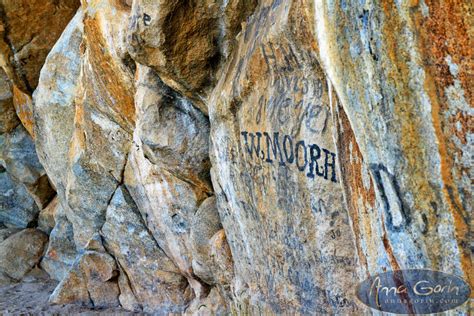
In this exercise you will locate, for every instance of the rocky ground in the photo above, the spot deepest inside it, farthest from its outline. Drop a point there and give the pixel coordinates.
(31, 297)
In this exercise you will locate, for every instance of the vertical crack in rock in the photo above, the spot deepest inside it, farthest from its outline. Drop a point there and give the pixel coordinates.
(166, 174)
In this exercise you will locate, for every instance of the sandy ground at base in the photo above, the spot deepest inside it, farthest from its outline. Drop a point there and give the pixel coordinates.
(31, 296)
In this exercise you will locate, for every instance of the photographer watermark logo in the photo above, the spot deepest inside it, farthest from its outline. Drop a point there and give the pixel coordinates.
(413, 292)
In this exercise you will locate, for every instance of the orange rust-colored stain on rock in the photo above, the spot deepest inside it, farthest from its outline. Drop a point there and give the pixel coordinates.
(106, 75)
(405, 110)
(300, 26)
(389, 250)
(445, 34)
(408, 113)
(79, 137)
(190, 63)
(350, 162)
(466, 126)
(53, 254)
(24, 109)
(31, 29)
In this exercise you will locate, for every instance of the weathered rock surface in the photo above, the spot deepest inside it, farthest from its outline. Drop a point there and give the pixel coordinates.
(30, 29)
(205, 224)
(20, 252)
(46, 221)
(400, 72)
(222, 264)
(103, 119)
(23, 104)
(8, 118)
(91, 281)
(18, 157)
(186, 41)
(167, 172)
(61, 252)
(216, 157)
(275, 170)
(154, 281)
(7, 232)
(18, 208)
(54, 105)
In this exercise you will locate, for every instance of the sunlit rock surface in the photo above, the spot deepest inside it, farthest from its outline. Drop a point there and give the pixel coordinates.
(21, 251)
(215, 157)
(154, 278)
(405, 114)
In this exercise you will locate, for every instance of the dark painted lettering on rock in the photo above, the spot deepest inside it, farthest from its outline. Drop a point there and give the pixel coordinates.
(272, 148)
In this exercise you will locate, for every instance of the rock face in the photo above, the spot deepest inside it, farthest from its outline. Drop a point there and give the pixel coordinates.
(8, 117)
(150, 275)
(412, 143)
(18, 157)
(185, 41)
(20, 252)
(61, 252)
(91, 281)
(30, 29)
(18, 207)
(216, 157)
(54, 103)
(274, 171)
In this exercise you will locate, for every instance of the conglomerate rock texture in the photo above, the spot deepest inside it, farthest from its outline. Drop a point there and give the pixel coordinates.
(234, 156)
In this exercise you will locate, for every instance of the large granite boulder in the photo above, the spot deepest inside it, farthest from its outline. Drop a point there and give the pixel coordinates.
(233, 156)
(276, 173)
(20, 252)
(54, 106)
(155, 282)
(400, 71)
